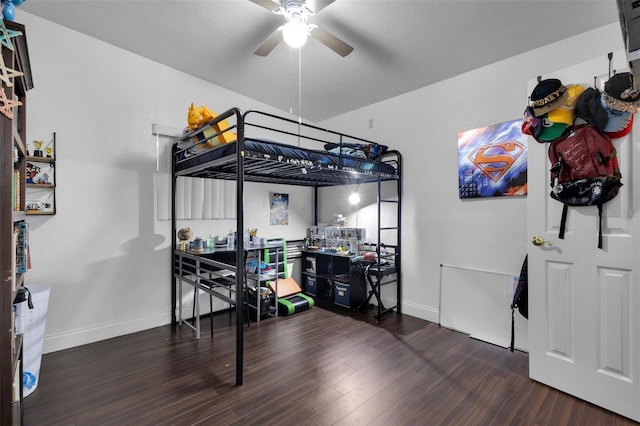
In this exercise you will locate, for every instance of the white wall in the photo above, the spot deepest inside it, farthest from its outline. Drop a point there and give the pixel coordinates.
(104, 254)
(107, 257)
(438, 227)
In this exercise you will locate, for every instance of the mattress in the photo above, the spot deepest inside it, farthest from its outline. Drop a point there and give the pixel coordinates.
(192, 158)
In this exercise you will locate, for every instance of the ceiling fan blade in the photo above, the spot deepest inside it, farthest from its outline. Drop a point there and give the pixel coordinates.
(317, 5)
(331, 41)
(267, 4)
(269, 44)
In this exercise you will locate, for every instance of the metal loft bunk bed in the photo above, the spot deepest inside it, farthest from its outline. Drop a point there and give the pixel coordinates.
(272, 149)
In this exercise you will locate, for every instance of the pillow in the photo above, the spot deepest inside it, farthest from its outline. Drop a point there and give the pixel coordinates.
(351, 152)
(358, 150)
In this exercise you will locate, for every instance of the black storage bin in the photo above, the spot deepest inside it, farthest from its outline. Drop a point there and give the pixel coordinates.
(267, 304)
(310, 285)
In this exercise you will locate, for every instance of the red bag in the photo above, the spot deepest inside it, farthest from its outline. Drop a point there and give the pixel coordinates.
(584, 170)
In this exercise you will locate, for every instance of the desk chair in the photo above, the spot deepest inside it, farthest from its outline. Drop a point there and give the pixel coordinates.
(223, 256)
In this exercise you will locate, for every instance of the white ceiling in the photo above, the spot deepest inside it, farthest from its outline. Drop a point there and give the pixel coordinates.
(400, 45)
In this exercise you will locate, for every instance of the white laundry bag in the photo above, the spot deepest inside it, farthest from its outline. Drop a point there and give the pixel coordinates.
(33, 322)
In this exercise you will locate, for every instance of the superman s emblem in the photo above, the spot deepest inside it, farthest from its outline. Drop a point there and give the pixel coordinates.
(495, 160)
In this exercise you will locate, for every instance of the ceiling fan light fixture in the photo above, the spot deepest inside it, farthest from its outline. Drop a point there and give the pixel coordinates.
(296, 30)
(295, 33)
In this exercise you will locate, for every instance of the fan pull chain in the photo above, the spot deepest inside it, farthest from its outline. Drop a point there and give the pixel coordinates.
(299, 92)
(291, 84)
(291, 87)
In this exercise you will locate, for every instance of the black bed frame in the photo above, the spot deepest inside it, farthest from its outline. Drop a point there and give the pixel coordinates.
(243, 165)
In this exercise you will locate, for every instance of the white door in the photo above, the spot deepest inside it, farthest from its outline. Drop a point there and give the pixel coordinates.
(584, 302)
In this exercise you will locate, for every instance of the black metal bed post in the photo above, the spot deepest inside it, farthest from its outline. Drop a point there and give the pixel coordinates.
(315, 205)
(240, 270)
(174, 283)
(399, 237)
(379, 242)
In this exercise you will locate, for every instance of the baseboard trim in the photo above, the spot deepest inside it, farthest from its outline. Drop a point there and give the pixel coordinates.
(61, 341)
(420, 311)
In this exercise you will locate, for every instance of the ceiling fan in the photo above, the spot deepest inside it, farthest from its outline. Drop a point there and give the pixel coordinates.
(296, 30)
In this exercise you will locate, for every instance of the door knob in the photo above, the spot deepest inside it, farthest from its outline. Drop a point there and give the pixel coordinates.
(538, 240)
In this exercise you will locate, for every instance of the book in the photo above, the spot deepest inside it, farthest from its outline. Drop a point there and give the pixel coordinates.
(16, 190)
(13, 190)
(22, 247)
(13, 261)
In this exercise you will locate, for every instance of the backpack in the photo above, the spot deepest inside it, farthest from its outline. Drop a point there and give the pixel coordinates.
(584, 171)
(520, 298)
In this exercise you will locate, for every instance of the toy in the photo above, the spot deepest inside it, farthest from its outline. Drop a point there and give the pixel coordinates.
(199, 116)
(9, 8)
(36, 175)
(31, 171)
(184, 235)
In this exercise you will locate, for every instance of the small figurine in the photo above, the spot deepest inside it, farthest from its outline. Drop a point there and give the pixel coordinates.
(43, 179)
(31, 172)
(184, 235)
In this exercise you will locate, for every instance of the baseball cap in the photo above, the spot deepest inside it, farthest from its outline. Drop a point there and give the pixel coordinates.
(566, 113)
(619, 93)
(531, 124)
(550, 131)
(590, 108)
(619, 123)
(548, 95)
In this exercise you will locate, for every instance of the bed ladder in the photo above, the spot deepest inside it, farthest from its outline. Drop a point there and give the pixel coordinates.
(379, 275)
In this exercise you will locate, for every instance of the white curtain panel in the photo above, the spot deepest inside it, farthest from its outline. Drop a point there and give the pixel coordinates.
(196, 198)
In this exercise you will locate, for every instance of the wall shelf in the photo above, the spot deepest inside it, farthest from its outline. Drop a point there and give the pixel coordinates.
(41, 178)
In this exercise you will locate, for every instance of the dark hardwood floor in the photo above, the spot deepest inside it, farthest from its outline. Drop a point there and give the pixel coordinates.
(313, 368)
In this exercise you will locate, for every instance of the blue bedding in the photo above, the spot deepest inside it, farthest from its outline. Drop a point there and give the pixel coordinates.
(268, 150)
